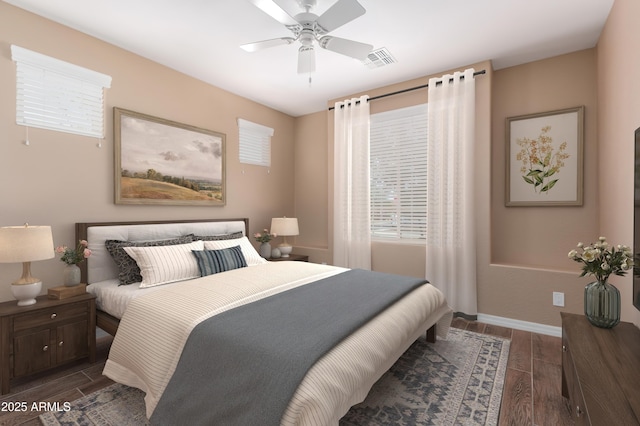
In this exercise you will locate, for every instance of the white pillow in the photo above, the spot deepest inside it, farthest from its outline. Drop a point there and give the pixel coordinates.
(166, 264)
(250, 254)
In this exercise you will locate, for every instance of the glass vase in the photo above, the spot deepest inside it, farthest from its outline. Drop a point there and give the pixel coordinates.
(71, 275)
(602, 304)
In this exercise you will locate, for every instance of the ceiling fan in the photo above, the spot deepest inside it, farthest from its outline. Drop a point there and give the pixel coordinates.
(307, 27)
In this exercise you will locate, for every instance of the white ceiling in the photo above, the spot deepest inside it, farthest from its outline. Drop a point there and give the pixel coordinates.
(201, 37)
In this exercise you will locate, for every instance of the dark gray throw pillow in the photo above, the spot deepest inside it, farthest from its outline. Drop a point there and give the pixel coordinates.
(128, 270)
(231, 236)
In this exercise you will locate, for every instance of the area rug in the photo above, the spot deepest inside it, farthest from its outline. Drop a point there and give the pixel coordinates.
(456, 381)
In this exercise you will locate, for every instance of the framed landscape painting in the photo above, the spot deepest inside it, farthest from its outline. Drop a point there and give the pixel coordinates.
(544, 158)
(159, 161)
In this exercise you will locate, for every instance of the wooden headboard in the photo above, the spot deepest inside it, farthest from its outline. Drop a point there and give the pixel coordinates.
(82, 230)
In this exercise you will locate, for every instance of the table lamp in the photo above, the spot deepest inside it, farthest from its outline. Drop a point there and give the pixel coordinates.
(25, 244)
(285, 226)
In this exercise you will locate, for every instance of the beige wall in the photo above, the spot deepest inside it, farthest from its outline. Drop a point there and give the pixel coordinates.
(405, 259)
(522, 251)
(516, 277)
(61, 178)
(529, 245)
(519, 233)
(618, 117)
(310, 186)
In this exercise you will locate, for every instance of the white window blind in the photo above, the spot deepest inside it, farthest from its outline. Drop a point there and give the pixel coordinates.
(255, 143)
(398, 150)
(56, 95)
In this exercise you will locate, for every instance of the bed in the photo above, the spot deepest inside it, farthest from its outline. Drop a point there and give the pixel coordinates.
(183, 341)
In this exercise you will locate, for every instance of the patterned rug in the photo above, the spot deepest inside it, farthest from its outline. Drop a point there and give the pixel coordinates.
(457, 381)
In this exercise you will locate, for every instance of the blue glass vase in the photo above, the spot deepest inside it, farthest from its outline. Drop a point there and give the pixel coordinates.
(602, 304)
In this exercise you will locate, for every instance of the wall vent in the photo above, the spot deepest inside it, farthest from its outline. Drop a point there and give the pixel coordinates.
(379, 58)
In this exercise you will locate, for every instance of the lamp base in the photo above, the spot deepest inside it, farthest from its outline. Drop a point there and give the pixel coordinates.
(26, 293)
(285, 249)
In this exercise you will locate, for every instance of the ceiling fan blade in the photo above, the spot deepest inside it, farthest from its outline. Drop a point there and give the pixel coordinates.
(275, 11)
(340, 13)
(259, 45)
(306, 60)
(351, 48)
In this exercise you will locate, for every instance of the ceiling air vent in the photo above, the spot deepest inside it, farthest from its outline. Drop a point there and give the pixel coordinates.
(379, 58)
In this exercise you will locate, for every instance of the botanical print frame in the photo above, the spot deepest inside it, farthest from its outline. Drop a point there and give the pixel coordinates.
(159, 161)
(545, 158)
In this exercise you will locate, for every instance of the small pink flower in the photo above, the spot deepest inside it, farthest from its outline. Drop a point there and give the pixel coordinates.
(84, 243)
(86, 253)
(60, 249)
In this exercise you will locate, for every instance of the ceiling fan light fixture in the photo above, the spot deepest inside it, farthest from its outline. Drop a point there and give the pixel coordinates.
(308, 27)
(306, 60)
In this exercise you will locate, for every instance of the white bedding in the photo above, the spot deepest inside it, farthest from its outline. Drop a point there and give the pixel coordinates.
(113, 298)
(156, 325)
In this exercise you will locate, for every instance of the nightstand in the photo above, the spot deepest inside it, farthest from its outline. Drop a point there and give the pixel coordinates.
(298, 257)
(45, 335)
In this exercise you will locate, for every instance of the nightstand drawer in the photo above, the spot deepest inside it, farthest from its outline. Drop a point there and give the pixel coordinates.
(49, 316)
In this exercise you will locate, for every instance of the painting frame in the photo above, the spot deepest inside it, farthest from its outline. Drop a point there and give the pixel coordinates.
(555, 179)
(185, 165)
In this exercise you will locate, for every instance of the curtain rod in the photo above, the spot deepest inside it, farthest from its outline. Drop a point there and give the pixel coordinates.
(424, 86)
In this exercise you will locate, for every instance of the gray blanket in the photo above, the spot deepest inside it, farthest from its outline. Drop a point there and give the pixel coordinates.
(243, 366)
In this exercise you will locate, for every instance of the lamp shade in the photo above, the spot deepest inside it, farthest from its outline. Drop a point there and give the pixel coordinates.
(25, 243)
(284, 226)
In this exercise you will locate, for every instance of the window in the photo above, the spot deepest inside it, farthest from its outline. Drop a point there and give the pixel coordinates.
(398, 150)
(56, 95)
(255, 143)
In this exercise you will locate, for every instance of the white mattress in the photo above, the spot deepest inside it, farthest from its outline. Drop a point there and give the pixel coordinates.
(112, 298)
(154, 328)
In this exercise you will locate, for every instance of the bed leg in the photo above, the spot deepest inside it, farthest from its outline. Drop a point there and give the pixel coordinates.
(431, 334)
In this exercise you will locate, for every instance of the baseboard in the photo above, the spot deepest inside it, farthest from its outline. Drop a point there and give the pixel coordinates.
(521, 325)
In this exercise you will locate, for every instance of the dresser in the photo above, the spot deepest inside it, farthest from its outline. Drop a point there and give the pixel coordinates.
(45, 335)
(601, 372)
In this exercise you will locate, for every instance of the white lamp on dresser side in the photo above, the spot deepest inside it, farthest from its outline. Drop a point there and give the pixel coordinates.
(26, 244)
(285, 226)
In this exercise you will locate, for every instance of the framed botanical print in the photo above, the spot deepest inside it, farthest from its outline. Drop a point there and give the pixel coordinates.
(545, 158)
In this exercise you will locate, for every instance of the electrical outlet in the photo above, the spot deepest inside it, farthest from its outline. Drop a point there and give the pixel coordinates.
(558, 299)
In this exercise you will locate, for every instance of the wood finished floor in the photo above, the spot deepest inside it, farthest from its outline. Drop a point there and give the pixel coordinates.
(532, 392)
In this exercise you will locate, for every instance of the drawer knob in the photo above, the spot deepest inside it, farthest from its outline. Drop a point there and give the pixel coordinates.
(61, 343)
(54, 315)
(578, 411)
(564, 348)
(45, 348)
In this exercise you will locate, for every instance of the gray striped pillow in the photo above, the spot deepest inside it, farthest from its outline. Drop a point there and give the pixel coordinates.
(215, 261)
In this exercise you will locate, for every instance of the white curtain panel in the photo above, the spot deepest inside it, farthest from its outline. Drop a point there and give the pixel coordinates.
(451, 246)
(351, 211)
